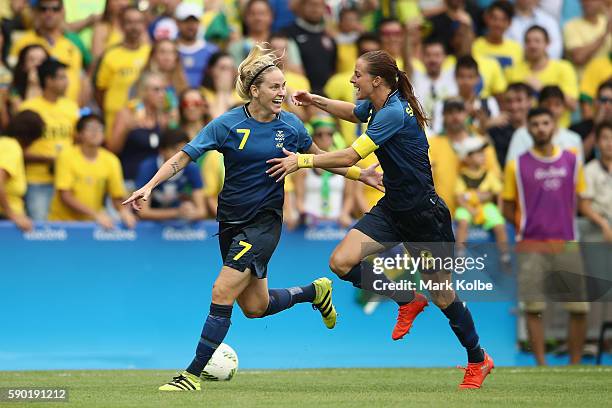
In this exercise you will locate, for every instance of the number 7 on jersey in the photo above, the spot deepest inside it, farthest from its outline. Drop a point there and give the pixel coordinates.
(246, 133)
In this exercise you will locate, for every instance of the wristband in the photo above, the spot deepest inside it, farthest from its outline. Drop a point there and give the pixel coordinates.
(353, 173)
(305, 160)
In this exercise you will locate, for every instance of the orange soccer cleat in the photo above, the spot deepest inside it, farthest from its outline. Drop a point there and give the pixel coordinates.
(406, 315)
(475, 373)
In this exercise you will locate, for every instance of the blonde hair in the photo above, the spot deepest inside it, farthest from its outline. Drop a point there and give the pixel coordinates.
(251, 70)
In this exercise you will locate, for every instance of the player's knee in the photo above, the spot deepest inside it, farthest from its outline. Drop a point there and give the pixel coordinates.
(221, 294)
(254, 312)
(339, 263)
(443, 299)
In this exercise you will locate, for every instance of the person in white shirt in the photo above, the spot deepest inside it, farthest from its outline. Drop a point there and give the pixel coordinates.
(527, 14)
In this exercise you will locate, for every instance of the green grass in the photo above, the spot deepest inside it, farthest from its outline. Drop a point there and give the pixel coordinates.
(585, 386)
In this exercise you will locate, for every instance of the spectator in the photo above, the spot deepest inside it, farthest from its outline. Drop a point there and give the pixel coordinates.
(597, 202)
(108, 31)
(25, 81)
(589, 36)
(526, 15)
(317, 48)
(258, 19)
(137, 128)
(218, 84)
(49, 33)
(181, 196)
(547, 182)
(392, 40)
(163, 26)
(452, 25)
(194, 113)
(476, 192)
(195, 52)
(550, 98)
(120, 67)
(14, 25)
(6, 78)
(538, 70)
(602, 112)
(598, 71)
(516, 102)
(497, 18)
(84, 175)
(321, 195)
(294, 80)
(59, 114)
(443, 157)
(22, 131)
(436, 83)
(340, 87)
(482, 112)
(165, 60)
(349, 29)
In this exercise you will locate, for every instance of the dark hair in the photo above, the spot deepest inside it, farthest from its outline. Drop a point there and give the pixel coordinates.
(387, 20)
(606, 85)
(90, 117)
(245, 11)
(606, 124)
(206, 117)
(38, 4)
(125, 10)
(550, 92)
(538, 111)
(540, 29)
(26, 126)
(207, 81)
(367, 36)
(431, 41)
(48, 69)
(381, 64)
(347, 9)
(504, 6)
(20, 78)
(106, 16)
(173, 137)
(520, 87)
(466, 62)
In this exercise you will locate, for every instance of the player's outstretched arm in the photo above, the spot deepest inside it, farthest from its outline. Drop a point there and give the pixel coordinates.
(175, 164)
(339, 109)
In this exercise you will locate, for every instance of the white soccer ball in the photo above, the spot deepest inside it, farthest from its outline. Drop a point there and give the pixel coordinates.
(222, 366)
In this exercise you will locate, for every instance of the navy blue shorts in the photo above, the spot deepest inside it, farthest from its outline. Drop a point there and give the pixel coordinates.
(424, 233)
(251, 245)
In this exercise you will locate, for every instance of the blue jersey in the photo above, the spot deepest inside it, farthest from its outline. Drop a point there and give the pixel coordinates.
(401, 147)
(246, 145)
(169, 193)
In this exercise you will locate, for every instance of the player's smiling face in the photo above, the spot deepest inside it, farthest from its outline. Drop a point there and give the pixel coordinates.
(362, 80)
(271, 93)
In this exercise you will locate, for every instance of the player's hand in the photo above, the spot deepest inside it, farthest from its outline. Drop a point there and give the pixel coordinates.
(607, 234)
(141, 194)
(23, 222)
(369, 176)
(282, 167)
(301, 98)
(104, 220)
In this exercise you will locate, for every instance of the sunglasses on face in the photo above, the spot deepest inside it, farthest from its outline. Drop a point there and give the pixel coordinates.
(55, 9)
(192, 104)
(604, 100)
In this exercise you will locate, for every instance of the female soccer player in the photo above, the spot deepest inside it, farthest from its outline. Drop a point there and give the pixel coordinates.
(250, 206)
(410, 212)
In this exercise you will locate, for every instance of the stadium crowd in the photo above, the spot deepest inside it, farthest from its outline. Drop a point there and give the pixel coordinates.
(95, 95)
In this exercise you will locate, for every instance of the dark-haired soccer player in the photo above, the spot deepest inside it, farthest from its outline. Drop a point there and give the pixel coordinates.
(411, 211)
(250, 206)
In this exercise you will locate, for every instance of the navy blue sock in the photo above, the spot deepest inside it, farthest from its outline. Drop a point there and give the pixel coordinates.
(214, 331)
(282, 299)
(355, 274)
(460, 320)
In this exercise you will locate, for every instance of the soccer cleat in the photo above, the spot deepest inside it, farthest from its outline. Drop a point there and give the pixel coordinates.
(475, 373)
(406, 315)
(323, 301)
(182, 382)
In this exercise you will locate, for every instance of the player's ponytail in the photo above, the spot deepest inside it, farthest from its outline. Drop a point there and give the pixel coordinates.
(381, 64)
(251, 70)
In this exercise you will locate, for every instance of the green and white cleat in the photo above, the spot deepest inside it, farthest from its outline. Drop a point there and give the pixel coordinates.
(182, 382)
(323, 301)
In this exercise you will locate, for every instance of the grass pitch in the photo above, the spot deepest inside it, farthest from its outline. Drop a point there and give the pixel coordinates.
(584, 386)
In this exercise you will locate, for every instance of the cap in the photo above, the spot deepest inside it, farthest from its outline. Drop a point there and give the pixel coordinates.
(186, 10)
(453, 104)
(470, 145)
